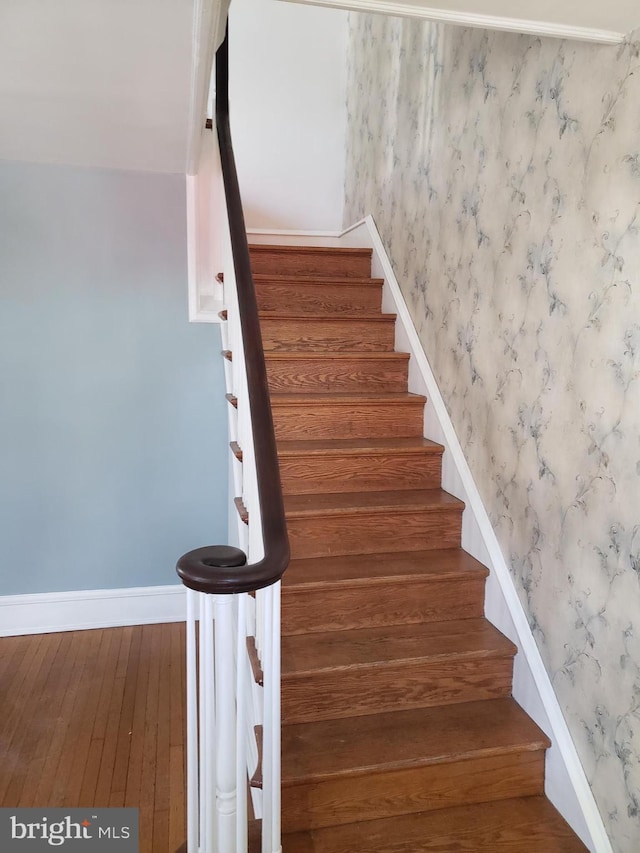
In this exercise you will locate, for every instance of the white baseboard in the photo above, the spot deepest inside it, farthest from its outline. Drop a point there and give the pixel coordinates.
(44, 613)
(565, 782)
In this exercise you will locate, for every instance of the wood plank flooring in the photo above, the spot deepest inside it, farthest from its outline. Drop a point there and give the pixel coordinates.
(97, 718)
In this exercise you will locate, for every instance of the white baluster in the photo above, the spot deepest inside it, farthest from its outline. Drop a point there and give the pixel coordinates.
(225, 760)
(268, 721)
(242, 701)
(193, 842)
(274, 732)
(207, 729)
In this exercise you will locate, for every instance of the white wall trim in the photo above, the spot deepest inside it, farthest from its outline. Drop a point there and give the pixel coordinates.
(276, 236)
(204, 294)
(78, 610)
(205, 298)
(469, 19)
(565, 782)
(276, 233)
(192, 247)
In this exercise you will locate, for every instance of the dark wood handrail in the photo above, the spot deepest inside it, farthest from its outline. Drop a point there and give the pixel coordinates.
(221, 569)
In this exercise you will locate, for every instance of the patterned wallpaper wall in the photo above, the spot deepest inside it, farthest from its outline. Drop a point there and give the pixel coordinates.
(503, 172)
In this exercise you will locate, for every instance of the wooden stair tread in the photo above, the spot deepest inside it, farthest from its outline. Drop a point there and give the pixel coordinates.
(258, 248)
(306, 654)
(318, 296)
(365, 591)
(285, 355)
(347, 281)
(361, 569)
(357, 446)
(300, 371)
(346, 398)
(313, 465)
(300, 331)
(409, 500)
(350, 414)
(343, 317)
(241, 510)
(356, 746)
(518, 825)
(310, 260)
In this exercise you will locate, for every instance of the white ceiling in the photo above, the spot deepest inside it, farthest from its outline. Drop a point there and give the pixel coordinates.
(96, 82)
(122, 83)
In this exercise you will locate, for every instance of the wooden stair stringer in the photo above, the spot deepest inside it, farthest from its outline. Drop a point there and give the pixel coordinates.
(359, 465)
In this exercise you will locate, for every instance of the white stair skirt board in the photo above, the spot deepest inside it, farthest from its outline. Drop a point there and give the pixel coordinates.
(566, 785)
(78, 610)
(205, 257)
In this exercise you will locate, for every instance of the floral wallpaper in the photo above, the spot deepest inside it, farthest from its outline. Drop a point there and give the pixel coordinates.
(503, 172)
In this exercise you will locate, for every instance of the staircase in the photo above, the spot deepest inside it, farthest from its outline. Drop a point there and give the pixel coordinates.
(399, 731)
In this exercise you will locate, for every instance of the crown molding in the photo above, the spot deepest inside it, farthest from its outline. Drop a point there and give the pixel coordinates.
(469, 19)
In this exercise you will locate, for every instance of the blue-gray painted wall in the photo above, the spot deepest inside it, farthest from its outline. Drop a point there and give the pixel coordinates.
(113, 429)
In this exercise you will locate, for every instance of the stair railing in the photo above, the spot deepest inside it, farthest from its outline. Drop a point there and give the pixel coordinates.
(233, 594)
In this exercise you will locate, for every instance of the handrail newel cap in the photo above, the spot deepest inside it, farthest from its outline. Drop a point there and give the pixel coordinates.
(203, 569)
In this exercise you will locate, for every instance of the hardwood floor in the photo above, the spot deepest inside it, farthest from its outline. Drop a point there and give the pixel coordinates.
(97, 718)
